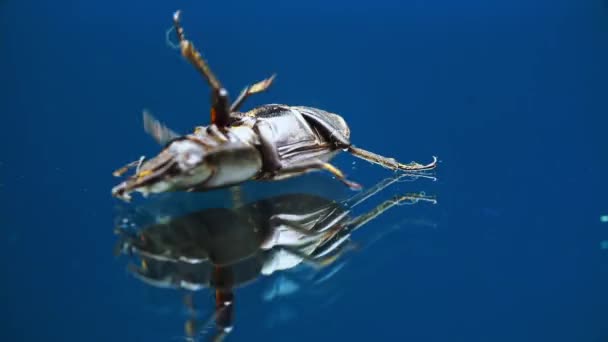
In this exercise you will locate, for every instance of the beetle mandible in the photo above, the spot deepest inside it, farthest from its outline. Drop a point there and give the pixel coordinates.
(270, 142)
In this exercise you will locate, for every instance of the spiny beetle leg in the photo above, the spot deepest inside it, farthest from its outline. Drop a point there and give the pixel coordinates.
(122, 170)
(224, 304)
(316, 164)
(220, 110)
(250, 90)
(363, 219)
(391, 163)
(317, 263)
(278, 220)
(195, 326)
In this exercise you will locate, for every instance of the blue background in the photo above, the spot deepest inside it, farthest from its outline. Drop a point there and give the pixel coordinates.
(511, 95)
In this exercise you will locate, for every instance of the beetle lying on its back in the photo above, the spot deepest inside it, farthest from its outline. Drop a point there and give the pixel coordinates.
(269, 142)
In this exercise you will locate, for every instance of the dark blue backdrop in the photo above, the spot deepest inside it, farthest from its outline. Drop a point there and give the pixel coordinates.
(511, 95)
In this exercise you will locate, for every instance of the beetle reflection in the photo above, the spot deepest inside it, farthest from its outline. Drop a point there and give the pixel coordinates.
(223, 249)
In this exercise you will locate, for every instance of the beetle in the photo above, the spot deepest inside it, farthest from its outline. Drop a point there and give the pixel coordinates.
(228, 248)
(270, 142)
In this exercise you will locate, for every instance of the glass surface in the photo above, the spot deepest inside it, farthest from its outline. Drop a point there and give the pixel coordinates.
(511, 96)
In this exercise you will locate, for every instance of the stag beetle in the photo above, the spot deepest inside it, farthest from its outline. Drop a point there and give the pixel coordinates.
(270, 142)
(227, 248)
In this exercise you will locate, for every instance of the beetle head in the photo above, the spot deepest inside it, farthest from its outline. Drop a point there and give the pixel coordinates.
(181, 165)
(191, 163)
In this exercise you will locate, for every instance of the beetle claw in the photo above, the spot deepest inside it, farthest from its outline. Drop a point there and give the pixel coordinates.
(352, 185)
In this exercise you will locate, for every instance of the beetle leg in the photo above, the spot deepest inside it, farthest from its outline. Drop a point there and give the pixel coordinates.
(224, 300)
(316, 164)
(317, 263)
(220, 109)
(121, 171)
(224, 304)
(277, 220)
(363, 219)
(191, 325)
(222, 316)
(250, 90)
(391, 163)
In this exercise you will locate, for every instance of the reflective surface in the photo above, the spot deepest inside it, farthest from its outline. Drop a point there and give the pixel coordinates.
(222, 249)
(510, 95)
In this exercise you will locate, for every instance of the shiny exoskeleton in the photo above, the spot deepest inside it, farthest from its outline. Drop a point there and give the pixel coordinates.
(224, 249)
(270, 142)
